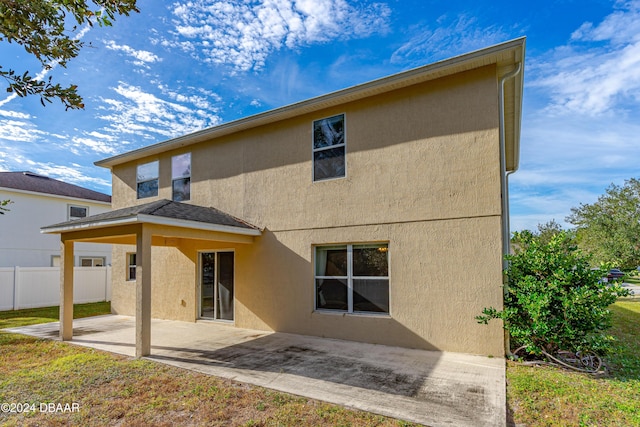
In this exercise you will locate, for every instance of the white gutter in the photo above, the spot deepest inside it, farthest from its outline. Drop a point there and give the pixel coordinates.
(506, 229)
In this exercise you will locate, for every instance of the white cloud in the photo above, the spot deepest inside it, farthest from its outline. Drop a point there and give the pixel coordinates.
(244, 34)
(138, 113)
(445, 38)
(15, 114)
(595, 78)
(19, 131)
(73, 173)
(142, 57)
(95, 145)
(581, 135)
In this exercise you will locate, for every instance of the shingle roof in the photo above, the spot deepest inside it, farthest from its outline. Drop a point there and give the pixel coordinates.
(158, 209)
(29, 181)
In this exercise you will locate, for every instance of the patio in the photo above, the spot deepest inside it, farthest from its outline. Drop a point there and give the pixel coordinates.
(431, 388)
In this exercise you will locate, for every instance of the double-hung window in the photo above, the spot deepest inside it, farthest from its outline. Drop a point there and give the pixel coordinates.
(329, 148)
(147, 179)
(181, 177)
(352, 278)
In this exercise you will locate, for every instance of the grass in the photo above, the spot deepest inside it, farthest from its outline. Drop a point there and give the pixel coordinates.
(547, 396)
(32, 316)
(634, 280)
(116, 390)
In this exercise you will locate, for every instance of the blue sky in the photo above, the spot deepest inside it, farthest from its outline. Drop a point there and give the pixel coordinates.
(178, 67)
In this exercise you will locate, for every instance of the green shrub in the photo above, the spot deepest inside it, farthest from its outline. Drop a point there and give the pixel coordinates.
(555, 301)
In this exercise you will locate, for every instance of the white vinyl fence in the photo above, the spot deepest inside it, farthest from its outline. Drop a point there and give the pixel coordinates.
(29, 287)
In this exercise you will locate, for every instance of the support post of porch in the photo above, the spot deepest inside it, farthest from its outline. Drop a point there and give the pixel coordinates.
(143, 292)
(66, 289)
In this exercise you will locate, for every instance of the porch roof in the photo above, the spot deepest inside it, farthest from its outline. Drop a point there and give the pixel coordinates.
(161, 212)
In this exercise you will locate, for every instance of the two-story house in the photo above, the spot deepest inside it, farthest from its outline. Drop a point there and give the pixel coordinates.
(37, 201)
(377, 213)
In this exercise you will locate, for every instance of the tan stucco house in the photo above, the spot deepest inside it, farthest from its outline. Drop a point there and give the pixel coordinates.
(378, 213)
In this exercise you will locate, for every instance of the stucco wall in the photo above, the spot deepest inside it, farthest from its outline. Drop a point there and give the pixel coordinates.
(173, 283)
(439, 282)
(422, 174)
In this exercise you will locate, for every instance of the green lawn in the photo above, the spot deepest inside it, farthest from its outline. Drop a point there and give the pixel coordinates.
(32, 316)
(633, 280)
(547, 396)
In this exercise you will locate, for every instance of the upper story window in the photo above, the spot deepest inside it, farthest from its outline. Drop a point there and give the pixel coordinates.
(147, 179)
(181, 177)
(329, 148)
(77, 212)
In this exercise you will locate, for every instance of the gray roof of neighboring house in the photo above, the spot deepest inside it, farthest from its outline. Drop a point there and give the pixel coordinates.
(161, 209)
(29, 181)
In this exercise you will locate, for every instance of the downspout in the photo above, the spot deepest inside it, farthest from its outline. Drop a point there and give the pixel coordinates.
(506, 231)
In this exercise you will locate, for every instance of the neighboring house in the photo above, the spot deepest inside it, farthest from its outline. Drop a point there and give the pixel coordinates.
(36, 202)
(378, 213)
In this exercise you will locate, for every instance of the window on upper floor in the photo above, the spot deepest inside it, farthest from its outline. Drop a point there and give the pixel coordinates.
(181, 177)
(147, 179)
(352, 278)
(329, 148)
(77, 212)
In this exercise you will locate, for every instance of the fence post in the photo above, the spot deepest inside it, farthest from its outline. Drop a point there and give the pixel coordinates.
(16, 286)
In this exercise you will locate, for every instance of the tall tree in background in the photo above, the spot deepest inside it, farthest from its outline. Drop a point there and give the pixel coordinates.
(543, 235)
(47, 30)
(609, 229)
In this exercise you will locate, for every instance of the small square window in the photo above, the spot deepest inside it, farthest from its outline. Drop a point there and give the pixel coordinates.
(77, 212)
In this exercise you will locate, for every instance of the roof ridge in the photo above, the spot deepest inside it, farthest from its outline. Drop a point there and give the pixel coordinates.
(154, 207)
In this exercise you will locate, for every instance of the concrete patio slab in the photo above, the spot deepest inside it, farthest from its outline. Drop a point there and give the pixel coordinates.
(430, 388)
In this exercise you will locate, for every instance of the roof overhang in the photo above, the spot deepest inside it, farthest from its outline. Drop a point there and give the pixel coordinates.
(165, 220)
(150, 219)
(504, 56)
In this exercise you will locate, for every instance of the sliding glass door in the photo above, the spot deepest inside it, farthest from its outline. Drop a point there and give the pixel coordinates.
(216, 285)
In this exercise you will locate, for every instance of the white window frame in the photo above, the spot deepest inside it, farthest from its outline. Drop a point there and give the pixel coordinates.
(142, 181)
(130, 266)
(180, 177)
(349, 278)
(71, 218)
(329, 147)
(102, 260)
